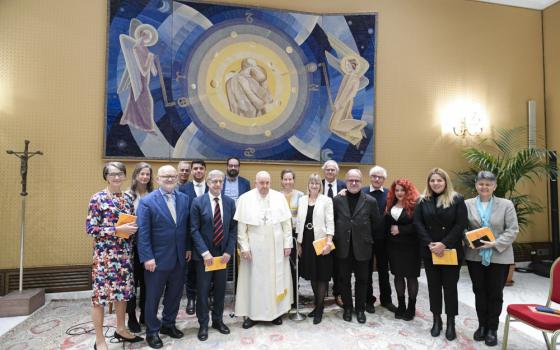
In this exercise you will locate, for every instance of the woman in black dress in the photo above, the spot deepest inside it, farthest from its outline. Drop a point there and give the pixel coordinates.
(315, 221)
(440, 219)
(403, 245)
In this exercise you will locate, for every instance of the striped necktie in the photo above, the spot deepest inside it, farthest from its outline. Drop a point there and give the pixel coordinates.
(218, 224)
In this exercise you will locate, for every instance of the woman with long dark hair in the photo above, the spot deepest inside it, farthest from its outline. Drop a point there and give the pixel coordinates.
(140, 186)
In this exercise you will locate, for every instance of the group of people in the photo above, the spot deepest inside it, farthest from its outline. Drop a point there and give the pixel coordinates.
(184, 228)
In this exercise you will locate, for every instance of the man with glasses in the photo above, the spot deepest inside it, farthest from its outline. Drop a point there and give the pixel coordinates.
(356, 216)
(235, 185)
(184, 169)
(377, 176)
(214, 233)
(331, 187)
(163, 221)
(193, 189)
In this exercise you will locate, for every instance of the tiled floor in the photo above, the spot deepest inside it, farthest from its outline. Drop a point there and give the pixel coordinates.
(527, 288)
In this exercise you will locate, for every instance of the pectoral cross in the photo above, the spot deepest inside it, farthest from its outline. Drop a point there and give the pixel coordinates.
(264, 219)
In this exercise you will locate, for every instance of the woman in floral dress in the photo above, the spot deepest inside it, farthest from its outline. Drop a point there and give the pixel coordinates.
(112, 271)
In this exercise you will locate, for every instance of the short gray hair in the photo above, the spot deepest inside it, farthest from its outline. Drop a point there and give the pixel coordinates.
(333, 162)
(378, 169)
(485, 175)
(215, 173)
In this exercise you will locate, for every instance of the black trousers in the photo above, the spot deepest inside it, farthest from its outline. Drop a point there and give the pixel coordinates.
(381, 258)
(442, 277)
(346, 267)
(138, 283)
(190, 279)
(488, 286)
(204, 280)
(293, 257)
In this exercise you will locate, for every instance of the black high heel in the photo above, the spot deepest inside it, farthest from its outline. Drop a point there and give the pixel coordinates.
(120, 338)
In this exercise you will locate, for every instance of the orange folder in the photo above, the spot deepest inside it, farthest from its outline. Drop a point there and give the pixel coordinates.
(475, 236)
(124, 219)
(216, 264)
(449, 258)
(320, 244)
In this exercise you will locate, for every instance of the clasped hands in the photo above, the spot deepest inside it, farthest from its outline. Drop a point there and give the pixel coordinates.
(437, 248)
(248, 256)
(129, 228)
(208, 259)
(486, 244)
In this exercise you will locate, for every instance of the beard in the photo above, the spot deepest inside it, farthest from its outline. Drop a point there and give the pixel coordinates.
(232, 172)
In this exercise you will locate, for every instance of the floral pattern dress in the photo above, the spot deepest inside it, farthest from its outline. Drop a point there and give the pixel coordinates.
(112, 269)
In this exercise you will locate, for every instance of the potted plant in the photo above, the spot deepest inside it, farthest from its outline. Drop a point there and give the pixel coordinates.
(507, 155)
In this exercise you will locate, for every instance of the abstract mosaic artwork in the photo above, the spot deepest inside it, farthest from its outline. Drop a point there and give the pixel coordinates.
(197, 80)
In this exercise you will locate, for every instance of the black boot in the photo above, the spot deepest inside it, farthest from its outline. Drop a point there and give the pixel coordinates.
(410, 310)
(450, 331)
(133, 324)
(436, 327)
(399, 314)
(491, 338)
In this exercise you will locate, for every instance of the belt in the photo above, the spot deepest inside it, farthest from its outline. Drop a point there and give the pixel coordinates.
(309, 226)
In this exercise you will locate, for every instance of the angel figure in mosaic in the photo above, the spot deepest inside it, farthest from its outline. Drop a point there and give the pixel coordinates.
(353, 67)
(140, 66)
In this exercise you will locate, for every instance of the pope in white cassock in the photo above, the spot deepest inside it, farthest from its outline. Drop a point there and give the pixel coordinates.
(264, 285)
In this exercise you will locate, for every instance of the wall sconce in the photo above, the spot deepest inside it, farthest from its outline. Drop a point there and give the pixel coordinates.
(470, 125)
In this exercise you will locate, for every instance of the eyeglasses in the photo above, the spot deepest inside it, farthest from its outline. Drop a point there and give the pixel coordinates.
(121, 174)
(377, 177)
(330, 170)
(216, 181)
(233, 166)
(168, 177)
(354, 181)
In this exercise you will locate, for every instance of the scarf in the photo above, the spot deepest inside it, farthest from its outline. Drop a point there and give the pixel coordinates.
(485, 253)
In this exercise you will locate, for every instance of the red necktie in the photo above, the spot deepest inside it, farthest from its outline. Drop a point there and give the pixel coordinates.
(218, 224)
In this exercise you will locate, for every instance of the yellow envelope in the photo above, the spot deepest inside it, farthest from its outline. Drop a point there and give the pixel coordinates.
(475, 236)
(124, 219)
(449, 258)
(216, 264)
(320, 244)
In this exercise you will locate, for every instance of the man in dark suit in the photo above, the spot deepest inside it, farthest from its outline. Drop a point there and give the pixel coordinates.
(184, 169)
(331, 187)
(214, 233)
(193, 189)
(377, 176)
(356, 216)
(234, 185)
(163, 222)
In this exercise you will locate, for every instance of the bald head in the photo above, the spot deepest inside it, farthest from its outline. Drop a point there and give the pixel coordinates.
(354, 180)
(167, 178)
(262, 181)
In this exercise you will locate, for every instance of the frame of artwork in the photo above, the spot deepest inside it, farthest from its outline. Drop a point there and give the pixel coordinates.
(190, 80)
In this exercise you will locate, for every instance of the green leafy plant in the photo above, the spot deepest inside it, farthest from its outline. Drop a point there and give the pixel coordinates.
(507, 155)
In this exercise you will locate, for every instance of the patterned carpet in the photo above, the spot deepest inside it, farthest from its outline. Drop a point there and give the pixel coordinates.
(46, 329)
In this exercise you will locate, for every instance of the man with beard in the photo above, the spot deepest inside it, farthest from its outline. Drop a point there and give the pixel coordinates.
(235, 185)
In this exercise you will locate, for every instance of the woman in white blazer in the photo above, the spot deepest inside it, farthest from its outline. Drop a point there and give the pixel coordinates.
(315, 221)
(489, 264)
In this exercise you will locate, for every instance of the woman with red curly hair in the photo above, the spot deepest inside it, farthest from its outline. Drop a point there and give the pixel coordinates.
(403, 245)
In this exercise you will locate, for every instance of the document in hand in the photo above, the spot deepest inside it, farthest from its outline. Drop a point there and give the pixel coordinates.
(449, 258)
(124, 219)
(216, 264)
(320, 244)
(482, 234)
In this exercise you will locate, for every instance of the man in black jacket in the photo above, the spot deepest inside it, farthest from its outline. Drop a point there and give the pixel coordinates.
(377, 177)
(356, 216)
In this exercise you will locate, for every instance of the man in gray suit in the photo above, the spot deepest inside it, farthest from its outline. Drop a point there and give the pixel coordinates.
(355, 215)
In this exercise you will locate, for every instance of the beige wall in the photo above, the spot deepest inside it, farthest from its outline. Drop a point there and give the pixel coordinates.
(551, 33)
(52, 71)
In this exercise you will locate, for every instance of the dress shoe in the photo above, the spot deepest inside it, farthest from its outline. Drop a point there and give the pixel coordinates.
(491, 338)
(389, 306)
(133, 324)
(277, 321)
(220, 327)
(338, 301)
(410, 310)
(248, 323)
(436, 327)
(450, 330)
(120, 338)
(361, 316)
(370, 308)
(202, 333)
(154, 341)
(191, 306)
(401, 309)
(171, 331)
(312, 313)
(347, 315)
(318, 316)
(480, 334)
